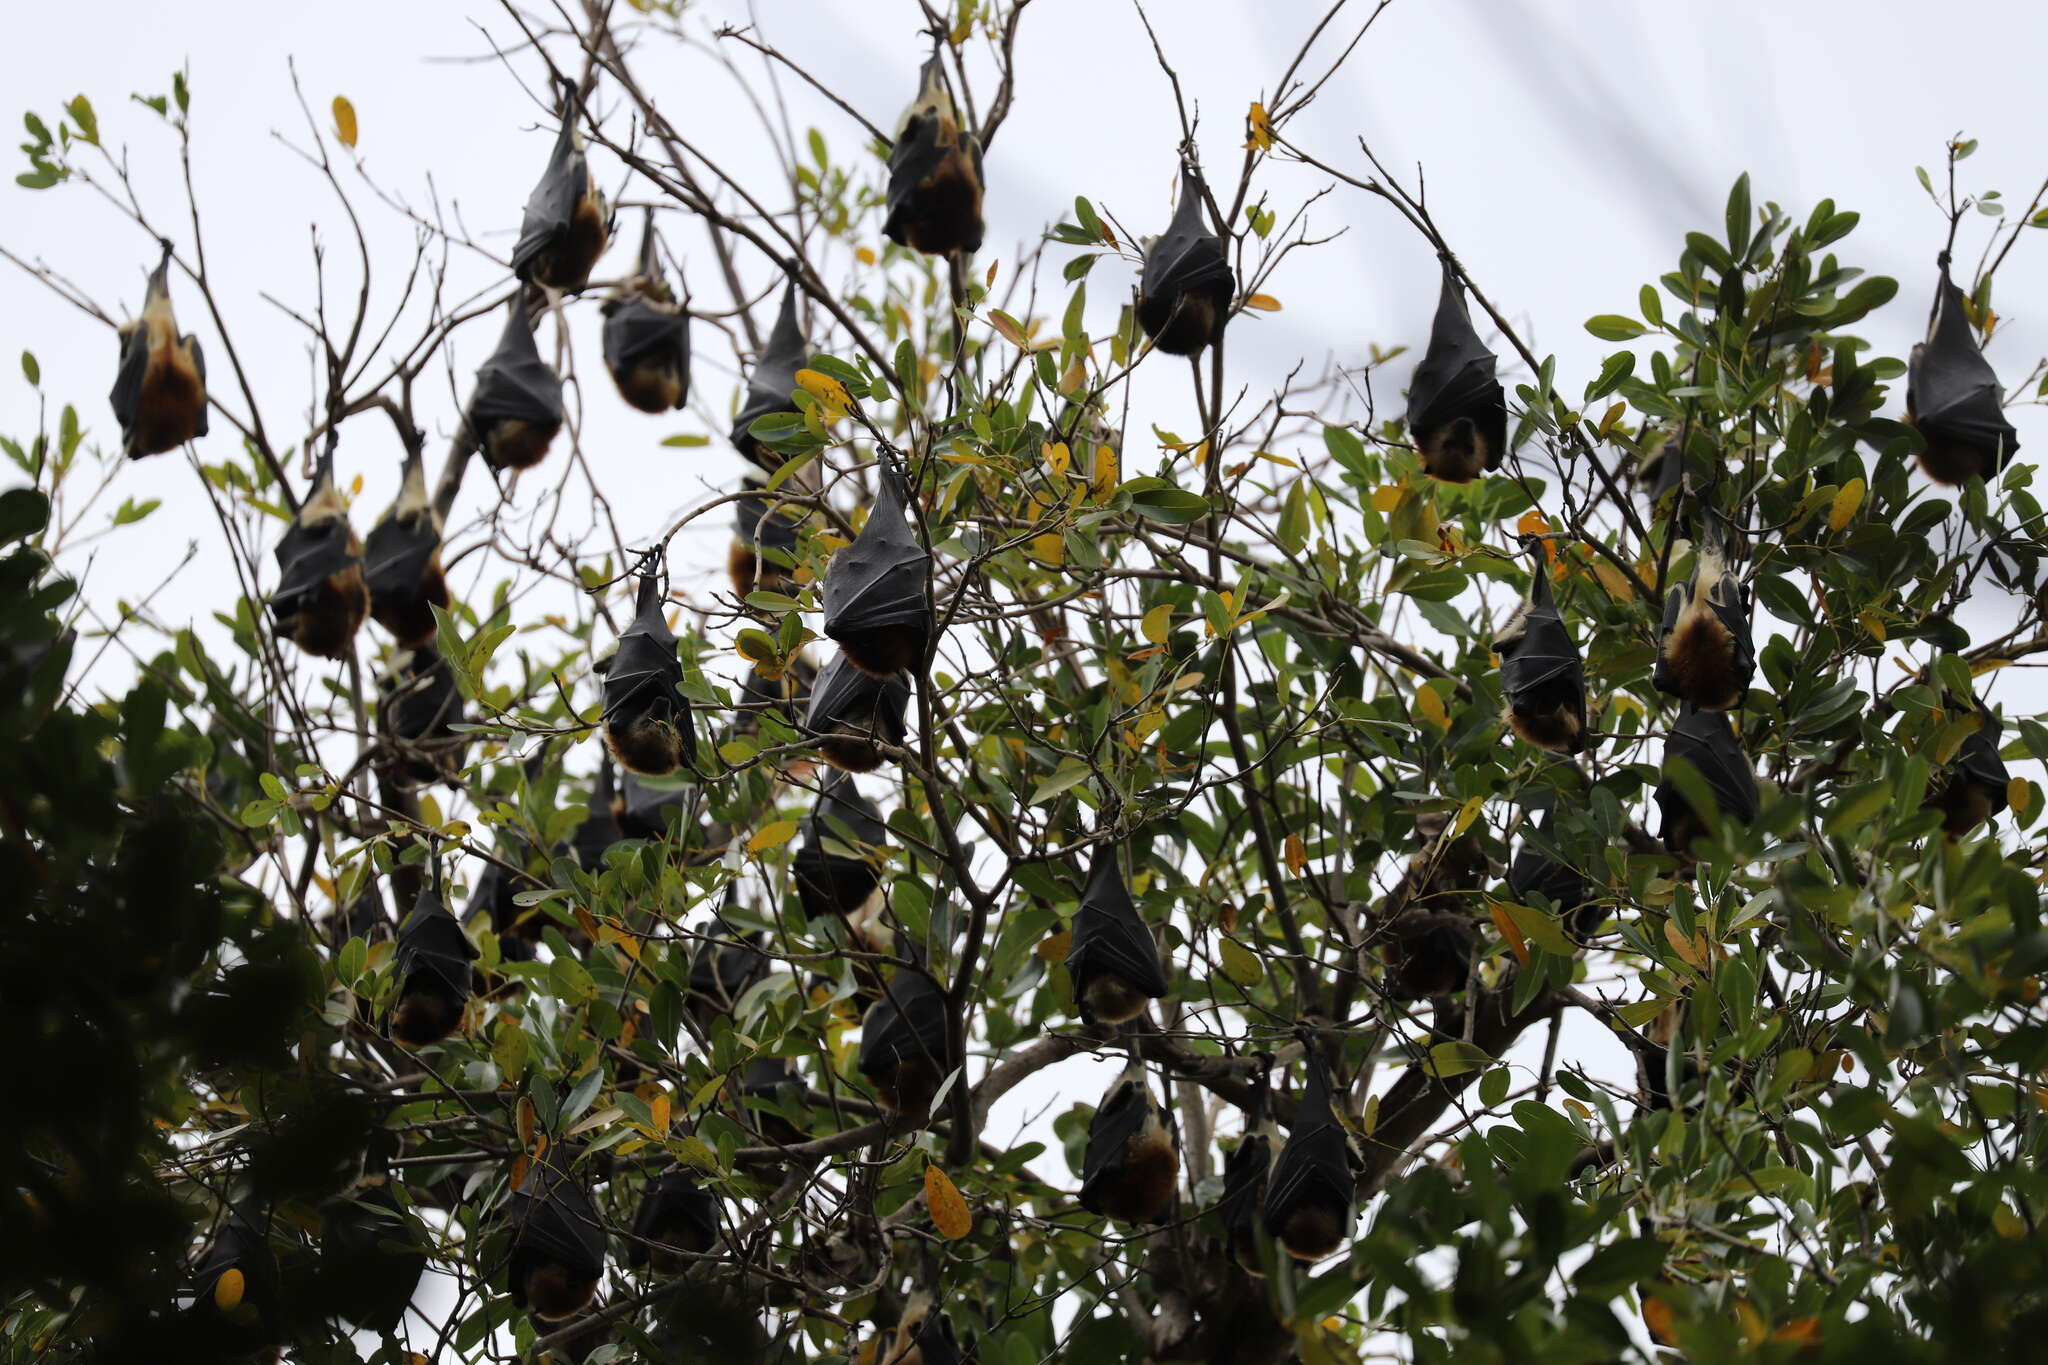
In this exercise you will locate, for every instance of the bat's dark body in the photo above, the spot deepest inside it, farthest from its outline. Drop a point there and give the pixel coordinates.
(1310, 1207)
(321, 599)
(159, 394)
(833, 875)
(402, 562)
(1705, 739)
(1706, 654)
(935, 178)
(1541, 673)
(1113, 959)
(875, 603)
(647, 336)
(764, 541)
(516, 407)
(1953, 397)
(1130, 1169)
(676, 1214)
(1975, 788)
(1186, 285)
(772, 381)
(1534, 871)
(1457, 411)
(433, 970)
(903, 1049)
(418, 704)
(557, 1242)
(566, 225)
(646, 720)
(852, 711)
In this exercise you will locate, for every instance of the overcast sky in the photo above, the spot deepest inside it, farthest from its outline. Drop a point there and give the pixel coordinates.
(1568, 145)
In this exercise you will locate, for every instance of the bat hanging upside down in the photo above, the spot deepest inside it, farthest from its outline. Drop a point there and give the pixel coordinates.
(159, 392)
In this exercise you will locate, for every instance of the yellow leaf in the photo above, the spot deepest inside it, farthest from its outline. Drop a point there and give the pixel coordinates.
(1532, 523)
(344, 121)
(1258, 128)
(1296, 854)
(1609, 418)
(1688, 949)
(1264, 303)
(1872, 623)
(1843, 510)
(1053, 947)
(1157, 623)
(989, 281)
(1983, 666)
(1103, 481)
(660, 1109)
(948, 1209)
(2019, 794)
(1049, 549)
(1386, 497)
(1658, 1317)
(1432, 707)
(1059, 457)
(772, 836)
(519, 1165)
(587, 922)
(830, 393)
(1512, 932)
(1467, 813)
(525, 1120)
(864, 254)
(227, 1290)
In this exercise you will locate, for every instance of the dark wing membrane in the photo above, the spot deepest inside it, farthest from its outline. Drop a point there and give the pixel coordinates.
(515, 384)
(1120, 1119)
(553, 1217)
(1534, 870)
(1543, 652)
(1705, 738)
(878, 580)
(396, 554)
(306, 557)
(908, 1022)
(1188, 256)
(553, 201)
(673, 1198)
(1244, 1183)
(1978, 760)
(432, 941)
(639, 331)
(843, 695)
(1109, 935)
(774, 375)
(1456, 376)
(1951, 388)
(1312, 1168)
(760, 521)
(645, 669)
(127, 391)
(644, 806)
(915, 154)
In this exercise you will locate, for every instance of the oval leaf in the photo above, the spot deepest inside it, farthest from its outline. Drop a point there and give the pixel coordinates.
(948, 1209)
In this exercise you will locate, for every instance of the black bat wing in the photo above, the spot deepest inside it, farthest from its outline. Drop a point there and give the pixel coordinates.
(1535, 869)
(845, 814)
(1705, 738)
(126, 396)
(644, 670)
(306, 557)
(878, 580)
(427, 700)
(1244, 1182)
(1543, 651)
(647, 802)
(758, 520)
(774, 375)
(913, 157)
(1456, 375)
(515, 384)
(1188, 256)
(641, 331)
(557, 1221)
(1979, 761)
(553, 201)
(1121, 1118)
(432, 941)
(843, 694)
(675, 1196)
(907, 1023)
(1109, 935)
(1951, 387)
(1313, 1167)
(396, 554)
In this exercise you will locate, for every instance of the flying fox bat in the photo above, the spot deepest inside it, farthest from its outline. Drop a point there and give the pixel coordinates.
(1244, 1184)
(517, 926)
(321, 598)
(833, 873)
(159, 394)
(763, 541)
(676, 1214)
(1310, 1206)
(935, 181)
(1704, 739)
(235, 1290)
(1186, 285)
(1428, 952)
(1457, 412)
(852, 711)
(772, 381)
(1534, 871)
(1112, 959)
(1541, 673)
(557, 1242)
(402, 561)
(372, 1253)
(1975, 787)
(923, 1336)
(875, 604)
(647, 335)
(418, 705)
(903, 1050)
(516, 407)
(1953, 396)
(1130, 1168)
(566, 226)
(788, 695)
(646, 721)
(433, 971)
(1706, 654)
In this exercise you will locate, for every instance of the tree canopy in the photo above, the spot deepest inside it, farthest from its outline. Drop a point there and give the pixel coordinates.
(496, 935)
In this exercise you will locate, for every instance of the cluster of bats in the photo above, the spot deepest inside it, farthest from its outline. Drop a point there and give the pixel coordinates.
(878, 609)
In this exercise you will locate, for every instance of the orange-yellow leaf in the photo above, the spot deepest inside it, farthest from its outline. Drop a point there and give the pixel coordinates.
(1006, 326)
(948, 1209)
(1843, 509)
(830, 393)
(1157, 623)
(1258, 128)
(1053, 947)
(772, 836)
(1386, 497)
(344, 121)
(227, 1290)
(1058, 457)
(1102, 482)
(1657, 1316)
(527, 1118)
(1432, 707)
(1512, 932)
(1264, 303)
(2019, 794)
(1296, 854)
(660, 1109)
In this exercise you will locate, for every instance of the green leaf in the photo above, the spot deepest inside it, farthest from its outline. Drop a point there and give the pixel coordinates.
(571, 981)
(1241, 964)
(1158, 500)
(1615, 327)
(1071, 772)
(30, 368)
(1456, 1059)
